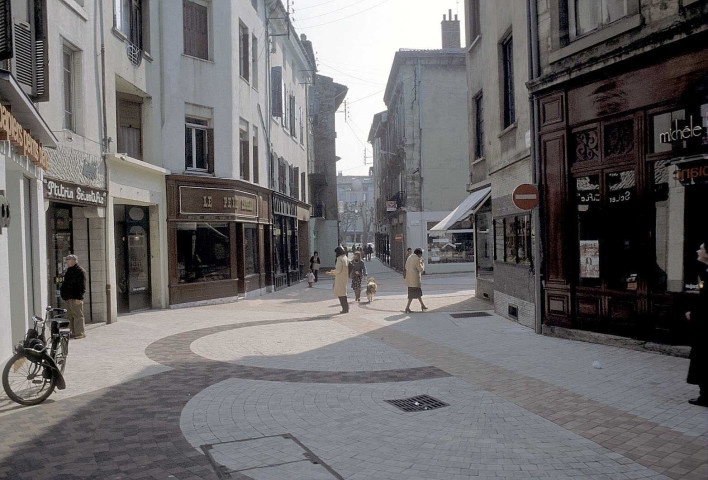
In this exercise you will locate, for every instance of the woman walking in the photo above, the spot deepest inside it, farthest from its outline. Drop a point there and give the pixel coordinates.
(413, 274)
(341, 276)
(358, 272)
(698, 316)
(315, 265)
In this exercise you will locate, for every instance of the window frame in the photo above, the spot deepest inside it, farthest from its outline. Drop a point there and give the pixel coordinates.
(244, 151)
(507, 70)
(479, 125)
(571, 9)
(254, 62)
(244, 51)
(207, 147)
(254, 149)
(512, 222)
(72, 104)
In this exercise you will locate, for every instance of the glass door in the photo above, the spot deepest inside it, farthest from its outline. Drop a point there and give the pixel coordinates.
(60, 244)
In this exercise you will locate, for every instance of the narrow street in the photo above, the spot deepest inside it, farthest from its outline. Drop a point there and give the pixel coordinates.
(282, 387)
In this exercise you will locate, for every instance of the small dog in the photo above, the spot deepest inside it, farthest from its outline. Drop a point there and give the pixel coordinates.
(371, 289)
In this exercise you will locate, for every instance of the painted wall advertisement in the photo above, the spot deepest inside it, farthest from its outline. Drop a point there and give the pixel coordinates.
(589, 259)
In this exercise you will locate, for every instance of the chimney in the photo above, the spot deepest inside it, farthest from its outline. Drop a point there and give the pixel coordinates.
(450, 31)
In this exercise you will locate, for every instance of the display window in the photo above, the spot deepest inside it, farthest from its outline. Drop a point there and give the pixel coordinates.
(203, 252)
(513, 239)
(250, 235)
(451, 246)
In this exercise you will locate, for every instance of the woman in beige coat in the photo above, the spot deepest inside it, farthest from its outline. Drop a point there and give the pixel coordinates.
(341, 277)
(413, 274)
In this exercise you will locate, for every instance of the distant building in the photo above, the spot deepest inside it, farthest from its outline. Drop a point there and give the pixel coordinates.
(355, 200)
(421, 156)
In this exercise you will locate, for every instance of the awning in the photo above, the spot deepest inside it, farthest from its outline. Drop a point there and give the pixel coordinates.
(24, 110)
(464, 210)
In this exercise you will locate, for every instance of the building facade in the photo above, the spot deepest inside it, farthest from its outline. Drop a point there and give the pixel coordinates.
(622, 108)
(326, 97)
(356, 207)
(423, 170)
(500, 155)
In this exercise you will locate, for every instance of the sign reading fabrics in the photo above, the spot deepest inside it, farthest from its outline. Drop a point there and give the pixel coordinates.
(217, 201)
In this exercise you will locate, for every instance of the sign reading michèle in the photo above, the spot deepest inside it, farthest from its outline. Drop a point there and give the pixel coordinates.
(284, 207)
(56, 190)
(217, 201)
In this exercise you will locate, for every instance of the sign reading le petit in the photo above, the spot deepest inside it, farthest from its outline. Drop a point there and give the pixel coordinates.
(217, 201)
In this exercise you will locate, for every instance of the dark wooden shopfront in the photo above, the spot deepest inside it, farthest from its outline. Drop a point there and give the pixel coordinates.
(218, 238)
(290, 240)
(611, 199)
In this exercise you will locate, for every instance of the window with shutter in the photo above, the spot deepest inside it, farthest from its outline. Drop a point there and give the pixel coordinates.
(244, 153)
(303, 186)
(296, 185)
(276, 93)
(6, 50)
(254, 62)
(244, 49)
(292, 116)
(508, 67)
(130, 128)
(196, 29)
(256, 159)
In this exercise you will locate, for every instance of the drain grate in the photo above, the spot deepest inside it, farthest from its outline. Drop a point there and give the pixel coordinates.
(470, 315)
(417, 404)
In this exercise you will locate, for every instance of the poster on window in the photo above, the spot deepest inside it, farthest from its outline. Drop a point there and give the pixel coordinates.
(589, 259)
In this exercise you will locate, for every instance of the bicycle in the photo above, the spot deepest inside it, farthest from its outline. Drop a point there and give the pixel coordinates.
(37, 368)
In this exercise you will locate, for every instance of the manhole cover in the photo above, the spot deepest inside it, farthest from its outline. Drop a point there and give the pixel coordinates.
(417, 404)
(470, 315)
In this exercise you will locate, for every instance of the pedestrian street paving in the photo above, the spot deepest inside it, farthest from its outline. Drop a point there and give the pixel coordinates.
(282, 387)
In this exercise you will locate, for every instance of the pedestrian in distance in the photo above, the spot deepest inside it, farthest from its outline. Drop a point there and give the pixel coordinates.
(369, 251)
(414, 275)
(315, 265)
(310, 278)
(72, 292)
(341, 278)
(358, 272)
(698, 316)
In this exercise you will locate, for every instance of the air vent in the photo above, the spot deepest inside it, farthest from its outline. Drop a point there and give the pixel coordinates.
(513, 311)
(470, 315)
(417, 404)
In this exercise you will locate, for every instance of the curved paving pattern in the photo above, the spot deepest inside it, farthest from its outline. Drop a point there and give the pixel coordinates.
(175, 351)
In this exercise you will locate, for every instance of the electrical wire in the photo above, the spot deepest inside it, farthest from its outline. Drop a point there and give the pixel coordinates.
(350, 75)
(330, 12)
(347, 17)
(317, 4)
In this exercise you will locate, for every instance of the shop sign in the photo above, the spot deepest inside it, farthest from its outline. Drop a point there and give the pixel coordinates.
(677, 134)
(11, 129)
(391, 206)
(217, 201)
(284, 207)
(694, 173)
(63, 191)
(4, 211)
(398, 238)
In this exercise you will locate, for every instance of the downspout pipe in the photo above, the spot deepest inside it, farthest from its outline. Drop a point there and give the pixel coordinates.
(419, 94)
(534, 69)
(104, 153)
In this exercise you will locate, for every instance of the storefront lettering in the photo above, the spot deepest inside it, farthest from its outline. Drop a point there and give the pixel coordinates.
(284, 207)
(208, 201)
(216, 201)
(684, 133)
(692, 174)
(63, 191)
(620, 197)
(11, 129)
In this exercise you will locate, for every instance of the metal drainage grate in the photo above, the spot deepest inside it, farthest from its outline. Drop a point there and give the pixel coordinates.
(470, 315)
(417, 404)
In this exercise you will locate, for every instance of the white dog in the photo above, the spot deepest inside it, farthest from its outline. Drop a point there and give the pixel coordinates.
(371, 289)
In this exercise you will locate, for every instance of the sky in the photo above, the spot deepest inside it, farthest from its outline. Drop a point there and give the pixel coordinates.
(354, 42)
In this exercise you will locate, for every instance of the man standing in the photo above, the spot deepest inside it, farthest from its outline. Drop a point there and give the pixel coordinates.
(72, 292)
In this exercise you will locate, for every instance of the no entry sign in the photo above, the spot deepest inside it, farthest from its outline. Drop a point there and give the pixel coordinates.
(525, 196)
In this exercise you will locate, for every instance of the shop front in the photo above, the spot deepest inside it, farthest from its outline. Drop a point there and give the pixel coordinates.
(75, 216)
(218, 239)
(625, 163)
(290, 217)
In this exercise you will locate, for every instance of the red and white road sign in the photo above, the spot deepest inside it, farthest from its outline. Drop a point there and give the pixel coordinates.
(525, 196)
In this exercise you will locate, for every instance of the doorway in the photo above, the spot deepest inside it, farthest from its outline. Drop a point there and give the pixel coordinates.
(132, 250)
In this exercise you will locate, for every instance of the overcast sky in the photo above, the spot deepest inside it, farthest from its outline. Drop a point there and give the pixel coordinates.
(354, 41)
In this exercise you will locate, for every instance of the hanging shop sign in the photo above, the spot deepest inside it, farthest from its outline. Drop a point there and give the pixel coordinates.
(282, 206)
(12, 130)
(217, 201)
(4, 211)
(72, 193)
(398, 237)
(391, 206)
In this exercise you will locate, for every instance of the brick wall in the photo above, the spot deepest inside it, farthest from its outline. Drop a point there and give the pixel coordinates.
(525, 309)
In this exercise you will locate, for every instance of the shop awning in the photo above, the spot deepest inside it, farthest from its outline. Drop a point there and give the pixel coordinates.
(24, 110)
(464, 210)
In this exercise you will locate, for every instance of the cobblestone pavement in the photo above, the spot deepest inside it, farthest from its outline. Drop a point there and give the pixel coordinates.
(280, 387)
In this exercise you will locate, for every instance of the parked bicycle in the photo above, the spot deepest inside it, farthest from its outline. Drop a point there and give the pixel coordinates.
(37, 367)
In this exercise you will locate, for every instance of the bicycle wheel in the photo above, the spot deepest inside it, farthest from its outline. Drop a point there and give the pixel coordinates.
(24, 382)
(62, 353)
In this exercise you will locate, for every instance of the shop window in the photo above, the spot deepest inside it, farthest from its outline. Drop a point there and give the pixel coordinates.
(293, 244)
(203, 252)
(513, 239)
(485, 239)
(196, 144)
(452, 246)
(250, 234)
(589, 15)
(660, 192)
(196, 28)
(681, 131)
(587, 198)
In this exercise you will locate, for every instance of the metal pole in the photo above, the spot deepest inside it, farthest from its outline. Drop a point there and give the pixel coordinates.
(104, 154)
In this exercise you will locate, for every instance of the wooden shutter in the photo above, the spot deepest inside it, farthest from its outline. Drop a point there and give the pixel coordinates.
(276, 91)
(23, 55)
(255, 160)
(292, 116)
(196, 29)
(41, 54)
(210, 150)
(245, 49)
(6, 49)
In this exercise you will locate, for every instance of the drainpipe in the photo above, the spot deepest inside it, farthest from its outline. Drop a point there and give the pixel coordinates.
(533, 59)
(419, 91)
(104, 154)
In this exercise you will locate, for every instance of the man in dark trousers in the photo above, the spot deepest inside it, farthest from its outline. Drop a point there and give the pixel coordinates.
(72, 292)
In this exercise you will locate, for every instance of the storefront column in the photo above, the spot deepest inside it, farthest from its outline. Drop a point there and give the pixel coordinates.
(675, 260)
